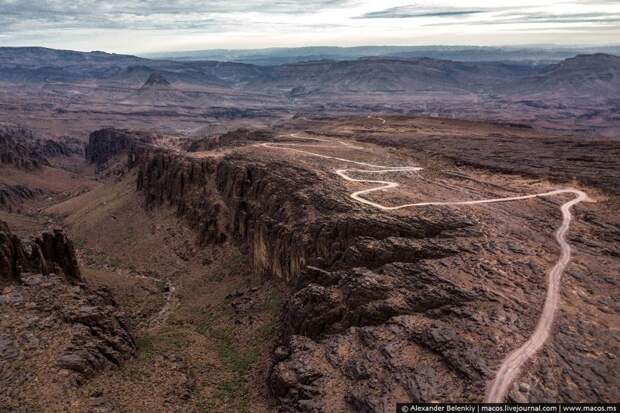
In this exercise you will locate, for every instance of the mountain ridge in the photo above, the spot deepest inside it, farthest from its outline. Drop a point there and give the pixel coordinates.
(541, 94)
(283, 55)
(378, 73)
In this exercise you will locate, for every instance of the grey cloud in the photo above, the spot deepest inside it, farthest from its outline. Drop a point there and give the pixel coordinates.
(154, 7)
(528, 18)
(595, 2)
(404, 12)
(143, 14)
(568, 28)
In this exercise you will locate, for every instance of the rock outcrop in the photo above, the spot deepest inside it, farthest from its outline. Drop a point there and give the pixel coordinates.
(57, 335)
(56, 330)
(64, 147)
(352, 272)
(383, 307)
(265, 206)
(19, 148)
(12, 196)
(104, 144)
(48, 253)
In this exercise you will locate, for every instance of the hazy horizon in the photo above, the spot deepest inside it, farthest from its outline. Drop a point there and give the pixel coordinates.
(541, 46)
(155, 26)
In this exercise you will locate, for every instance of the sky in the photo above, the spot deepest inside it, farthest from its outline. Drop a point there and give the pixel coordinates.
(150, 26)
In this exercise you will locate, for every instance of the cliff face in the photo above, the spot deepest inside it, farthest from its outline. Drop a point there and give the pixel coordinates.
(257, 204)
(350, 269)
(352, 272)
(282, 214)
(104, 144)
(45, 254)
(382, 307)
(19, 148)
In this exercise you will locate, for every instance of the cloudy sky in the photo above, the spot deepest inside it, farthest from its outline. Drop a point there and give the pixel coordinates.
(142, 26)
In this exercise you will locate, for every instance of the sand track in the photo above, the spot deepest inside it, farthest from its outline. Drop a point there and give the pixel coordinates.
(512, 364)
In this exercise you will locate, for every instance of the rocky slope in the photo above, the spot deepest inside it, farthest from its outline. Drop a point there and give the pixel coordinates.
(383, 307)
(286, 219)
(596, 75)
(18, 149)
(56, 331)
(233, 138)
(11, 196)
(23, 154)
(21, 149)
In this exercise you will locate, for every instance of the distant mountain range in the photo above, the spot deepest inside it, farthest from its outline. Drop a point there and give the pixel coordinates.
(277, 56)
(597, 75)
(577, 93)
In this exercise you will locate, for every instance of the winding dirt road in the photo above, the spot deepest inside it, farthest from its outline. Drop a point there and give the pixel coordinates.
(383, 121)
(509, 370)
(511, 366)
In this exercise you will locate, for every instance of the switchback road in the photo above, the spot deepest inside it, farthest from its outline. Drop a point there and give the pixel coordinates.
(511, 366)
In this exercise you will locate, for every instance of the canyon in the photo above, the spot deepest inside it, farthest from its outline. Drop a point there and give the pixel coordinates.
(289, 238)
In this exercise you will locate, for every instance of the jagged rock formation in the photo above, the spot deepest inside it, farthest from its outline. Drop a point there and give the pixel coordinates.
(381, 308)
(11, 196)
(46, 254)
(104, 144)
(65, 147)
(265, 206)
(56, 330)
(19, 148)
(237, 200)
(366, 270)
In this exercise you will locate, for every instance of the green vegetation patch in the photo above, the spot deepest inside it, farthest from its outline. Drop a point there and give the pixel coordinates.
(78, 243)
(157, 342)
(237, 264)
